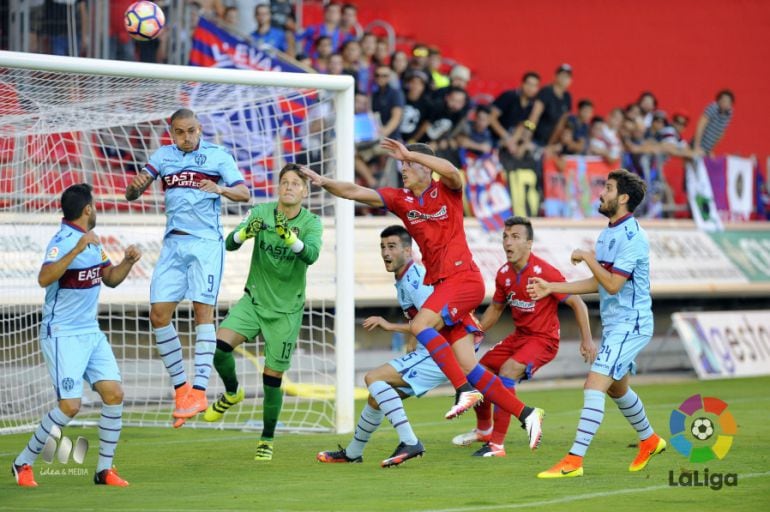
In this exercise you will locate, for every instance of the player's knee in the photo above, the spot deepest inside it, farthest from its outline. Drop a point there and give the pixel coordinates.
(114, 396)
(369, 378)
(159, 318)
(70, 407)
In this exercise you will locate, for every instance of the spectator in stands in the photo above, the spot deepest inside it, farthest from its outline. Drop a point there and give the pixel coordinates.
(476, 135)
(444, 122)
(552, 105)
(330, 27)
(648, 104)
(368, 44)
(121, 44)
(282, 16)
(438, 79)
(349, 22)
(323, 50)
(713, 123)
(510, 109)
(604, 141)
(382, 51)
(574, 139)
(55, 22)
(671, 141)
(366, 150)
(399, 63)
(388, 102)
(460, 76)
(336, 64)
(267, 34)
(417, 104)
(419, 58)
(351, 55)
(230, 16)
(305, 60)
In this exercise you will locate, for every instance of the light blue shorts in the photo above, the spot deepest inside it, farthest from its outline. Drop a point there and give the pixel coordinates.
(71, 359)
(418, 370)
(617, 353)
(188, 268)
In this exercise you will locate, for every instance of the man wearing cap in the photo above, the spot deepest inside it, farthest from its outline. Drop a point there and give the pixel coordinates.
(552, 105)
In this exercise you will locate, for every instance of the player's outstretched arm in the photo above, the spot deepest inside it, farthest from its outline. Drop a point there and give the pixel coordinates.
(239, 193)
(539, 288)
(344, 189)
(373, 322)
(450, 176)
(138, 185)
(587, 345)
(114, 275)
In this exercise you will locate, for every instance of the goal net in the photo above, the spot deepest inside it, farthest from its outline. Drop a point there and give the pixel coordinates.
(69, 120)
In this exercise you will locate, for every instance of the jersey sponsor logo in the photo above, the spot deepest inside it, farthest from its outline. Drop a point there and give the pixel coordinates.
(185, 179)
(81, 278)
(526, 306)
(278, 251)
(507, 282)
(54, 252)
(416, 216)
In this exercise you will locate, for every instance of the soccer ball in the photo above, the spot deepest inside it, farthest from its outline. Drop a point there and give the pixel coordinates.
(144, 20)
(702, 428)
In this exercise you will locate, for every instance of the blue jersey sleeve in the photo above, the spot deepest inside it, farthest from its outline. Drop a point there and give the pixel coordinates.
(59, 245)
(632, 251)
(153, 165)
(229, 171)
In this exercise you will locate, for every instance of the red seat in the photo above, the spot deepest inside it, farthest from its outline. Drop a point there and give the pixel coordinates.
(7, 147)
(54, 148)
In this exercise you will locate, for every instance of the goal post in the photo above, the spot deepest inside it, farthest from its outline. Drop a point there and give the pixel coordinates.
(65, 120)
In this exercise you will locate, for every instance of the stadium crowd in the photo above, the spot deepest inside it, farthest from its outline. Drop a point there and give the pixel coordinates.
(413, 93)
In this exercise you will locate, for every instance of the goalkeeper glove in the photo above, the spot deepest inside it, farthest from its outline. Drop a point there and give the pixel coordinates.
(251, 229)
(288, 236)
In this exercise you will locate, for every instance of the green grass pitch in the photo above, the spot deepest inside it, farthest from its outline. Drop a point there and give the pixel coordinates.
(201, 470)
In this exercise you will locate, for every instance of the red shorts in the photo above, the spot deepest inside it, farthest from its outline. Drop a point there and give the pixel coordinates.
(456, 296)
(532, 351)
(467, 325)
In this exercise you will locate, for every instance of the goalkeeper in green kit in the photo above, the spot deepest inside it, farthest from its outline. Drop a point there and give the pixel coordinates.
(287, 239)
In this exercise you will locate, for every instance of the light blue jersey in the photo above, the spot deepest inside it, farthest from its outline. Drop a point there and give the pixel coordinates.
(411, 291)
(187, 208)
(71, 303)
(623, 248)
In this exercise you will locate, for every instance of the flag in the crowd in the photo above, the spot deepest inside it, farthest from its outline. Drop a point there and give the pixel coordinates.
(700, 195)
(250, 133)
(732, 184)
(573, 192)
(487, 191)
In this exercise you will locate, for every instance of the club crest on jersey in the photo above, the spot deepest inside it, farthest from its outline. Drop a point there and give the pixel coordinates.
(538, 269)
(415, 215)
(67, 383)
(504, 269)
(434, 193)
(200, 159)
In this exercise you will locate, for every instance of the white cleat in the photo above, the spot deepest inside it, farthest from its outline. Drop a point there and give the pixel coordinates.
(533, 424)
(474, 436)
(465, 401)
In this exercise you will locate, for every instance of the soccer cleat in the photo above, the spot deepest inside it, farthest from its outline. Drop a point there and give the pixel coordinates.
(465, 400)
(218, 409)
(653, 445)
(490, 450)
(24, 475)
(264, 450)
(533, 424)
(338, 456)
(474, 436)
(569, 467)
(403, 453)
(109, 477)
(192, 403)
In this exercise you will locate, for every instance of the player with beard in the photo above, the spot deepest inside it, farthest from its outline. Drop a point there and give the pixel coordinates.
(621, 275)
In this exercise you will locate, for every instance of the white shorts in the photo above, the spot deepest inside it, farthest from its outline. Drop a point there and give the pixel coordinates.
(71, 359)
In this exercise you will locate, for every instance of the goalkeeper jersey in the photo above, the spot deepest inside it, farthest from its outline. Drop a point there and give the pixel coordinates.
(277, 276)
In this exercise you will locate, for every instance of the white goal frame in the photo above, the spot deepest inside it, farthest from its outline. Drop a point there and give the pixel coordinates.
(342, 87)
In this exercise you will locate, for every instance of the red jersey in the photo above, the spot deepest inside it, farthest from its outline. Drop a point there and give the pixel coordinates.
(435, 221)
(532, 317)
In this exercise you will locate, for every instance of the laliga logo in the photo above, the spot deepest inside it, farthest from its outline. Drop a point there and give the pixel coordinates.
(693, 426)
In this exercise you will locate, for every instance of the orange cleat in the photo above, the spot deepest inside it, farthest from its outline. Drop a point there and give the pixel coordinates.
(653, 445)
(191, 404)
(569, 467)
(24, 475)
(109, 477)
